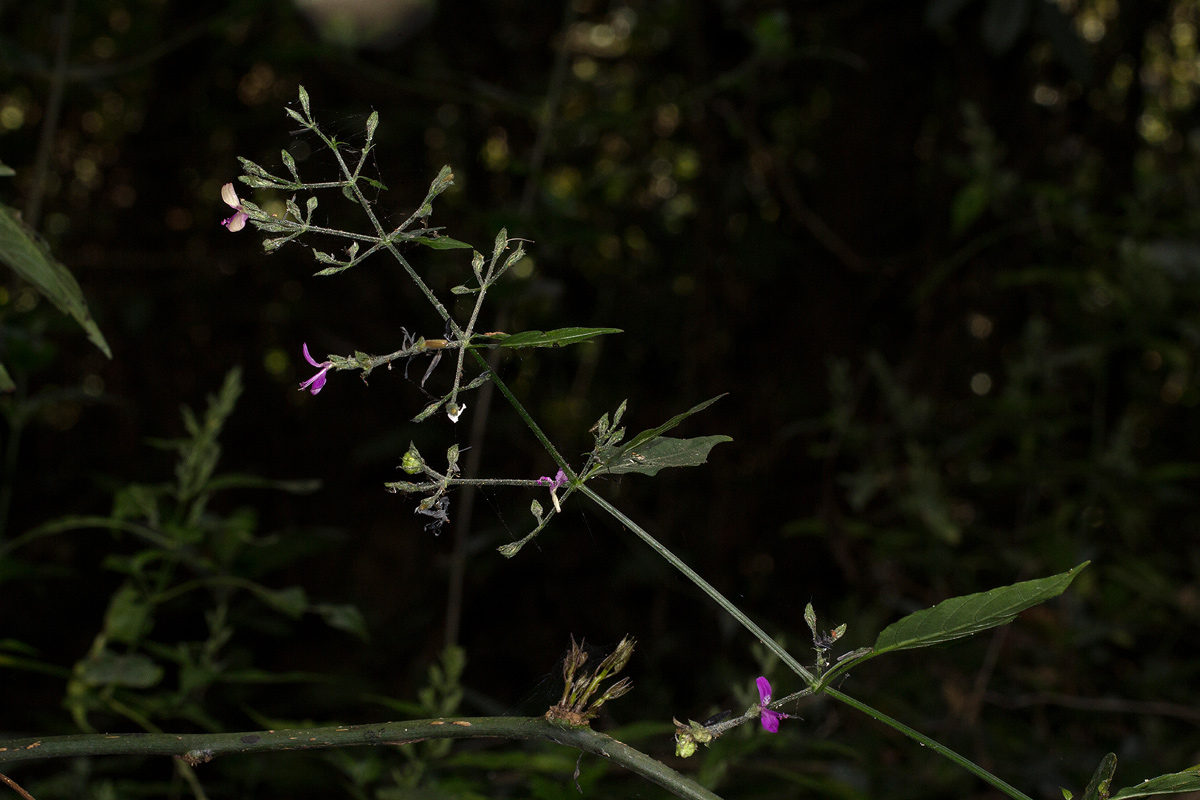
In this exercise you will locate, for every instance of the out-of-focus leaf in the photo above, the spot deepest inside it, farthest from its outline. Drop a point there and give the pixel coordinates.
(291, 601)
(343, 617)
(1003, 22)
(107, 668)
(240, 481)
(941, 12)
(665, 451)
(969, 204)
(6, 383)
(128, 617)
(30, 259)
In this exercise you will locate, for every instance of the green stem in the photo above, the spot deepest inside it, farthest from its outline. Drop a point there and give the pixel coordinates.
(787, 658)
(533, 426)
(198, 748)
(925, 741)
(704, 585)
(382, 235)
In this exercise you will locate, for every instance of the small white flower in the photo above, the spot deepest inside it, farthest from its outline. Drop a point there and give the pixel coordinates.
(455, 410)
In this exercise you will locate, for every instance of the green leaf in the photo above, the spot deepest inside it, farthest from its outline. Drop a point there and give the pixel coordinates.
(441, 243)
(291, 601)
(430, 409)
(107, 668)
(6, 382)
(343, 617)
(555, 338)
(1097, 789)
(128, 617)
(969, 204)
(30, 258)
(1175, 783)
(970, 614)
(235, 480)
(665, 451)
(615, 455)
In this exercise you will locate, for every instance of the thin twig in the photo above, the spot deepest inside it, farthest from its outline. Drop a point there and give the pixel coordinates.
(483, 400)
(58, 82)
(15, 787)
(1106, 705)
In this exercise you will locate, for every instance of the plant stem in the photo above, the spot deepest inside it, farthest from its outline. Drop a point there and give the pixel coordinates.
(528, 420)
(925, 741)
(45, 150)
(198, 748)
(787, 658)
(704, 585)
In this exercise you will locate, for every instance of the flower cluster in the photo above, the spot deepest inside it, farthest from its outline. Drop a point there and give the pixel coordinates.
(689, 735)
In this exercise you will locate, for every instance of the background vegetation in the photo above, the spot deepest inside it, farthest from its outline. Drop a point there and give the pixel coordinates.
(943, 256)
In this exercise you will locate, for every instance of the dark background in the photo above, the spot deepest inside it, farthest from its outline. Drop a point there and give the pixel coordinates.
(941, 256)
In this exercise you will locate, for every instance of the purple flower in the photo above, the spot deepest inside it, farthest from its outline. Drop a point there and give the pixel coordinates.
(317, 382)
(769, 719)
(558, 480)
(238, 220)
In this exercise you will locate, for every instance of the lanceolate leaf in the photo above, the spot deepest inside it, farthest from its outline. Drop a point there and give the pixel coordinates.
(1097, 789)
(30, 259)
(665, 451)
(1176, 783)
(970, 614)
(555, 338)
(441, 243)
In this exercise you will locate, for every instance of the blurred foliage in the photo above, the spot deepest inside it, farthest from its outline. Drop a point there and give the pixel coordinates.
(943, 256)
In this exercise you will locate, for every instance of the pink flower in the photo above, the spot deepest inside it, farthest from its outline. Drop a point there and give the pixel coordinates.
(769, 719)
(317, 382)
(238, 220)
(558, 480)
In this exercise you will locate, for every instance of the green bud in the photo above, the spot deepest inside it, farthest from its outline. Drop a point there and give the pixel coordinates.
(412, 463)
(685, 747)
